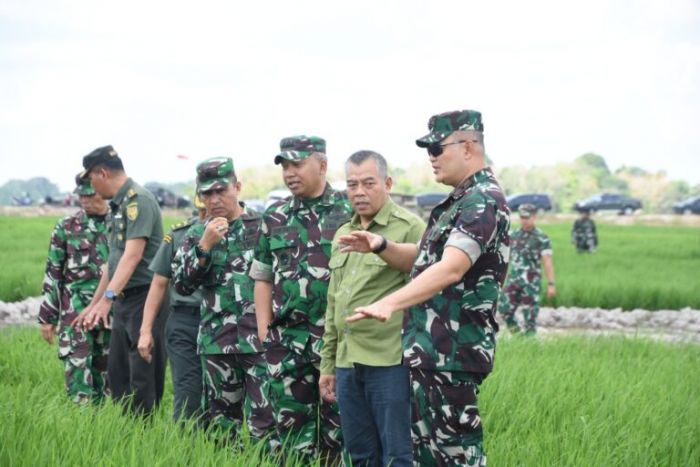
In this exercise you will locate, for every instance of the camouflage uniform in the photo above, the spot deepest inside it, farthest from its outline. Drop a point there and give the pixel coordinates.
(522, 287)
(584, 235)
(228, 334)
(293, 253)
(449, 340)
(77, 251)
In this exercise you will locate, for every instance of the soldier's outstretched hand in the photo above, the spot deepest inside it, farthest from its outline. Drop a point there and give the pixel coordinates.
(359, 241)
(374, 311)
(47, 332)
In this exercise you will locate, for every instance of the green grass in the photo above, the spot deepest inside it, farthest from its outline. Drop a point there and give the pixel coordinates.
(24, 244)
(636, 266)
(567, 401)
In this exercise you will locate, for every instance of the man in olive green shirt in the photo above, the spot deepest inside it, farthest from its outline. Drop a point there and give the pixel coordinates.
(361, 362)
(136, 232)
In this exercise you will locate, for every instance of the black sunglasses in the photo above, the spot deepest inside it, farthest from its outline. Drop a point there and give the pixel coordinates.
(435, 149)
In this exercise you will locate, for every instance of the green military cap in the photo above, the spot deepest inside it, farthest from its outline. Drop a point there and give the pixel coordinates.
(98, 156)
(443, 125)
(527, 210)
(214, 173)
(83, 187)
(296, 148)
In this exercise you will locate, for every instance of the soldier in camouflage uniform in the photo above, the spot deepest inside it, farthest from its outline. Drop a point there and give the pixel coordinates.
(77, 252)
(216, 257)
(530, 248)
(584, 235)
(291, 282)
(182, 326)
(449, 330)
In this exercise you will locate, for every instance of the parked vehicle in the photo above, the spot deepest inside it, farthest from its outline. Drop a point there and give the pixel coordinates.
(609, 202)
(168, 199)
(276, 195)
(688, 206)
(256, 204)
(427, 201)
(22, 200)
(540, 200)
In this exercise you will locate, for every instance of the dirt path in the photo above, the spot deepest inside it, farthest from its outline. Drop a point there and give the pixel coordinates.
(668, 325)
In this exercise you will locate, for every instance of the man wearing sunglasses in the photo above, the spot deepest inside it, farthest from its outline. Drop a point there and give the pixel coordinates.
(449, 330)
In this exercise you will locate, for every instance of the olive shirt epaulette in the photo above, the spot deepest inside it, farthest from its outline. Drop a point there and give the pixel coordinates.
(167, 238)
(131, 193)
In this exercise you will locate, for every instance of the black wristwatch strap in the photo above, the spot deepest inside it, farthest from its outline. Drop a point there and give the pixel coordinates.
(201, 253)
(381, 247)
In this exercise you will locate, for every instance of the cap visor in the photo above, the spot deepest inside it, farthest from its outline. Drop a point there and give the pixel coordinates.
(213, 185)
(291, 156)
(431, 138)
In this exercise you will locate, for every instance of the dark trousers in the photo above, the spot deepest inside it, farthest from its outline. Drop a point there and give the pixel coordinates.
(375, 414)
(186, 366)
(129, 374)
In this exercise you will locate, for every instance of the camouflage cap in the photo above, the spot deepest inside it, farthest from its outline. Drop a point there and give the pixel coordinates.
(443, 125)
(83, 187)
(527, 210)
(96, 157)
(214, 173)
(296, 148)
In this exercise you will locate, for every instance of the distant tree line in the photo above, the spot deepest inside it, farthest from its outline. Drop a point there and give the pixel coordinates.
(565, 182)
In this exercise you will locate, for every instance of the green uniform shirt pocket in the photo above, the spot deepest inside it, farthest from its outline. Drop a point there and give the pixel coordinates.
(284, 251)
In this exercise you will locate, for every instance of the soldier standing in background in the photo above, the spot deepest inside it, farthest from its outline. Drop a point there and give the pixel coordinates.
(77, 251)
(583, 234)
(136, 233)
(215, 257)
(291, 284)
(530, 249)
(183, 322)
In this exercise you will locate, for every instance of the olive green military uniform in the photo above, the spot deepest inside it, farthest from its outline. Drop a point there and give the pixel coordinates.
(181, 329)
(135, 214)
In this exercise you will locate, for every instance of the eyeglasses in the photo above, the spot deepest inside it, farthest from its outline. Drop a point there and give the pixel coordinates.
(435, 149)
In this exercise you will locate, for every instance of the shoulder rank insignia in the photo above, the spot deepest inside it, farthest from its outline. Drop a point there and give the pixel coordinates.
(130, 193)
(167, 238)
(183, 224)
(132, 211)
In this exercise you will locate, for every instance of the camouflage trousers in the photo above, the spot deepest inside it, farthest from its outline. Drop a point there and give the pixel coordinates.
(84, 355)
(234, 386)
(585, 245)
(305, 423)
(445, 421)
(527, 298)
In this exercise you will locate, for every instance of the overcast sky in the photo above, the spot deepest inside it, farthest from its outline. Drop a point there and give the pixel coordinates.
(158, 79)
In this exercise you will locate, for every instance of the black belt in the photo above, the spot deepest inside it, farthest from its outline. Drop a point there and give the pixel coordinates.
(191, 309)
(131, 291)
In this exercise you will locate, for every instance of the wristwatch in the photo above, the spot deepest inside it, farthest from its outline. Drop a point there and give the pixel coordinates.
(201, 253)
(381, 247)
(111, 295)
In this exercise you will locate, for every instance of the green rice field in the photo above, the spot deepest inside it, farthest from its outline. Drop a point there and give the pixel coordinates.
(636, 266)
(566, 401)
